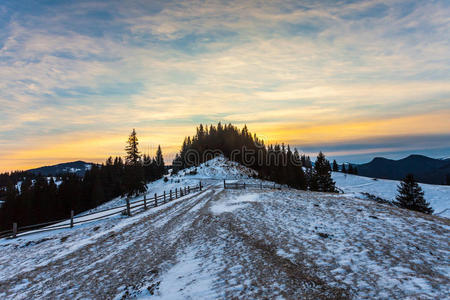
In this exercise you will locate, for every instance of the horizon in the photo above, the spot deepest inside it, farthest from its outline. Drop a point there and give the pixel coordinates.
(311, 155)
(356, 79)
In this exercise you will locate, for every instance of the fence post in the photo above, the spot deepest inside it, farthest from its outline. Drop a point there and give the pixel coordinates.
(176, 193)
(185, 190)
(128, 207)
(200, 185)
(14, 230)
(189, 189)
(170, 197)
(71, 219)
(164, 196)
(244, 185)
(224, 184)
(156, 200)
(145, 202)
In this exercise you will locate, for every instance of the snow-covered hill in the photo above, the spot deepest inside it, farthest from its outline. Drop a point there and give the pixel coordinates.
(249, 244)
(437, 195)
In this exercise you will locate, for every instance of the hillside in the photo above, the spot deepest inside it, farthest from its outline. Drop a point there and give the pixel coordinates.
(77, 167)
(437, 195)
(248, 243)
(425, 169)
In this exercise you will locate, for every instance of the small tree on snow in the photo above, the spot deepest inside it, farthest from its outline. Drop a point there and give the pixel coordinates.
(320, 179)
(335, 166)
(411, 196)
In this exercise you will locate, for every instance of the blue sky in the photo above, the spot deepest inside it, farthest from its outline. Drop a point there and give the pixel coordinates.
(356, 79)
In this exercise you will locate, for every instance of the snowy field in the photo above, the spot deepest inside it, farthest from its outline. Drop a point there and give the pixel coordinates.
(226, 244)
(437, 195)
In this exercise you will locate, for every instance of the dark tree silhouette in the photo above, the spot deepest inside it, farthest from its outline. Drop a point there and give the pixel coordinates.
(321, 175)
(274, 162)
(411, 196)
(335, 166)
(41, 200)
(133, 156)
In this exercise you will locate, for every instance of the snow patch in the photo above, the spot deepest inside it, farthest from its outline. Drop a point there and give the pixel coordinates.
(230, 205)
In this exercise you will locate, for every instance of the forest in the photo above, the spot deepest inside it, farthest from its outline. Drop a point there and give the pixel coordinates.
(31, 199)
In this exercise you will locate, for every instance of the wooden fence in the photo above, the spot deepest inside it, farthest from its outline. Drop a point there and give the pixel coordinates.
(244, 185)
(128, 209)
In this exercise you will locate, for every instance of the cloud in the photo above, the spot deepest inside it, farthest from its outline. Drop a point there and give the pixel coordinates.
(315, 69)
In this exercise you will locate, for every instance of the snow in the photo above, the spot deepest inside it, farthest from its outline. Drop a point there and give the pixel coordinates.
(437, 195)
(187, 279)
(231, 244)
(229, 205)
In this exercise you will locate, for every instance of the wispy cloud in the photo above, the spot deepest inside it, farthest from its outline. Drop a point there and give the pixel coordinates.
(79, 74)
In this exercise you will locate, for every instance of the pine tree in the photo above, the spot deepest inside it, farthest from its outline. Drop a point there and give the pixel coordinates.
(133, 156)
(321, 176)
(350, 169)
(134, 179)
(159, 161)
(343, 170)
(308, 163)
(335, 166)
(411, 196)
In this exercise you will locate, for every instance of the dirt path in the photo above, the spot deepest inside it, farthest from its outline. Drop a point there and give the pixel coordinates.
(133, 259)
(244, 244)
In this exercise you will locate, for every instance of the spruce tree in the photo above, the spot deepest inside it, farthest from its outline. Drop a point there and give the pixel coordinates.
(350, 169)
(133, 155)
(343, 170)
(335, 166)
(134, 180)
(159, 160)
(321, 176)
(411, 196)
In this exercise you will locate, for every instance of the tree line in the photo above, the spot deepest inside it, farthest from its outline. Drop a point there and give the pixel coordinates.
(278, 163)
(39, 199)
(348, 170)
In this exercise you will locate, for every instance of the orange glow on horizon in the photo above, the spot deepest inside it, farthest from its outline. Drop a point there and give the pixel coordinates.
(91, 148)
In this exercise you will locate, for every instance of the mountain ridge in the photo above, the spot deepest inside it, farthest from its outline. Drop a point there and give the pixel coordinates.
(424, 168)
(78, 167)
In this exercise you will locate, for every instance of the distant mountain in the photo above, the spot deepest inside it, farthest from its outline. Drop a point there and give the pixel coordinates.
(425, 169)
(77, 167)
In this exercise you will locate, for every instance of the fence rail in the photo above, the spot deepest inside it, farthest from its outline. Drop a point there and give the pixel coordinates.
(127, 209)
(244, 185)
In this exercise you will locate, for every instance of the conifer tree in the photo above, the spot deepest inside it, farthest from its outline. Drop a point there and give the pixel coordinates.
(321, 176)
(134, 180)
(411, 196)
(335, 166)
(350, 169)
(133, 155)
(159, 161)
(343, 170)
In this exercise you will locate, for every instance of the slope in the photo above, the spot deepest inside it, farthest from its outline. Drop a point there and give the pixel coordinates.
(437, 195)
(249, 243)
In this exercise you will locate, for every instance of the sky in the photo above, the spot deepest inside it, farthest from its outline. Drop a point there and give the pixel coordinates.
(355, 79)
